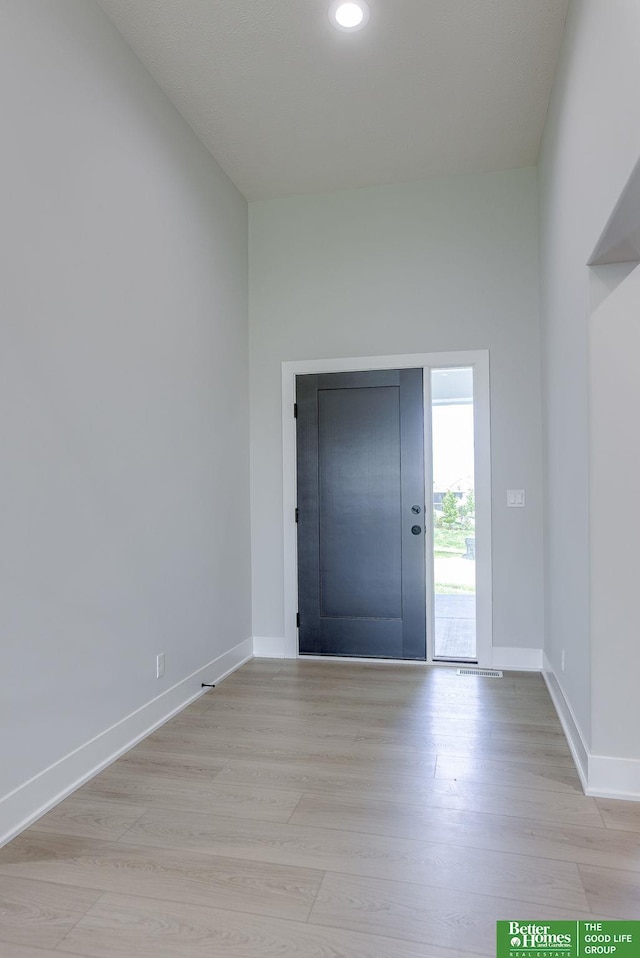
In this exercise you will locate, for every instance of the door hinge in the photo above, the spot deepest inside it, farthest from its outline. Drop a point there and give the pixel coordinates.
(297, 514)
(297, 620)
(295, 410)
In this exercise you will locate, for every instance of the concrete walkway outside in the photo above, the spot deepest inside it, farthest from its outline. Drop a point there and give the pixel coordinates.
(455, 626)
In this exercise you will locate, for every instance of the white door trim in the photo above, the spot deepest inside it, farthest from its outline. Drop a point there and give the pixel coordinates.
(479, 359)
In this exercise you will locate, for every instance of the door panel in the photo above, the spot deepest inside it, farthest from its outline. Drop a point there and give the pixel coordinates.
(360, 470)
(359, 488)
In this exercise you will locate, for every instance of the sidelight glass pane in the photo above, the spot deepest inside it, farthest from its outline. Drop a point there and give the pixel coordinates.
(454, 562)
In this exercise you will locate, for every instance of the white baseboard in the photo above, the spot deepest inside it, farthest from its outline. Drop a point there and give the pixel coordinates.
(520, 660)
(570, 726)
(269, 647)
(25, 804)
(602, 776)
(614, 778)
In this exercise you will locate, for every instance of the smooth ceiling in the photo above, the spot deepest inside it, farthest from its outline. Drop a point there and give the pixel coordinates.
(288, 105)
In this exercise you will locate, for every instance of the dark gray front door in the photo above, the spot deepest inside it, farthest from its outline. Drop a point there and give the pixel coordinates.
(361, 559)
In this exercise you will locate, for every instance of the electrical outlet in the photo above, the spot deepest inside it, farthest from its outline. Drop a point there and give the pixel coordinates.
(159, 665)
(563, 661)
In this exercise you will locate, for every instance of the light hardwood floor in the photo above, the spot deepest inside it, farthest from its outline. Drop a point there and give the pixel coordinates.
(325, 810)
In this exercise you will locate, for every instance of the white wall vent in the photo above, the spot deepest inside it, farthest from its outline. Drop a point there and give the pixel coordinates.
(486, 673)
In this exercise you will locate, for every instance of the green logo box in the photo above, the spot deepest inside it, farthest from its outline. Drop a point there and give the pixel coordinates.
(568, 939)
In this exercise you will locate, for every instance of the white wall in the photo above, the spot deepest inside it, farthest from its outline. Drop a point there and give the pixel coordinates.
(615, 521)
(591, 144)
(124, 381)
(445, 264)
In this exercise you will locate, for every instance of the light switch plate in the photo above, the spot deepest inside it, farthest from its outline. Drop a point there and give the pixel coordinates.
(515, 498)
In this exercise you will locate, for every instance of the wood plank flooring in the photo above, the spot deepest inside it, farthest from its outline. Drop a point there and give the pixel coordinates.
(325, 810)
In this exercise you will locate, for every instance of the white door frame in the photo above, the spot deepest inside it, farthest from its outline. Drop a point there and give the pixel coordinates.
(479, 359)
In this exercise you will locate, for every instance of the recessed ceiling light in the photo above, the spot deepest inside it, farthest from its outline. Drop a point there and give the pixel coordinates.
(349, 15)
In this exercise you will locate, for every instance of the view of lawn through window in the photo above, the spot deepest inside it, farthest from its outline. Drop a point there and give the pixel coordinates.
(454, 513)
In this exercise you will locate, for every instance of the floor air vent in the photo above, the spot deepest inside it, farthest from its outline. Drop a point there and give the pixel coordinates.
(486, 673)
